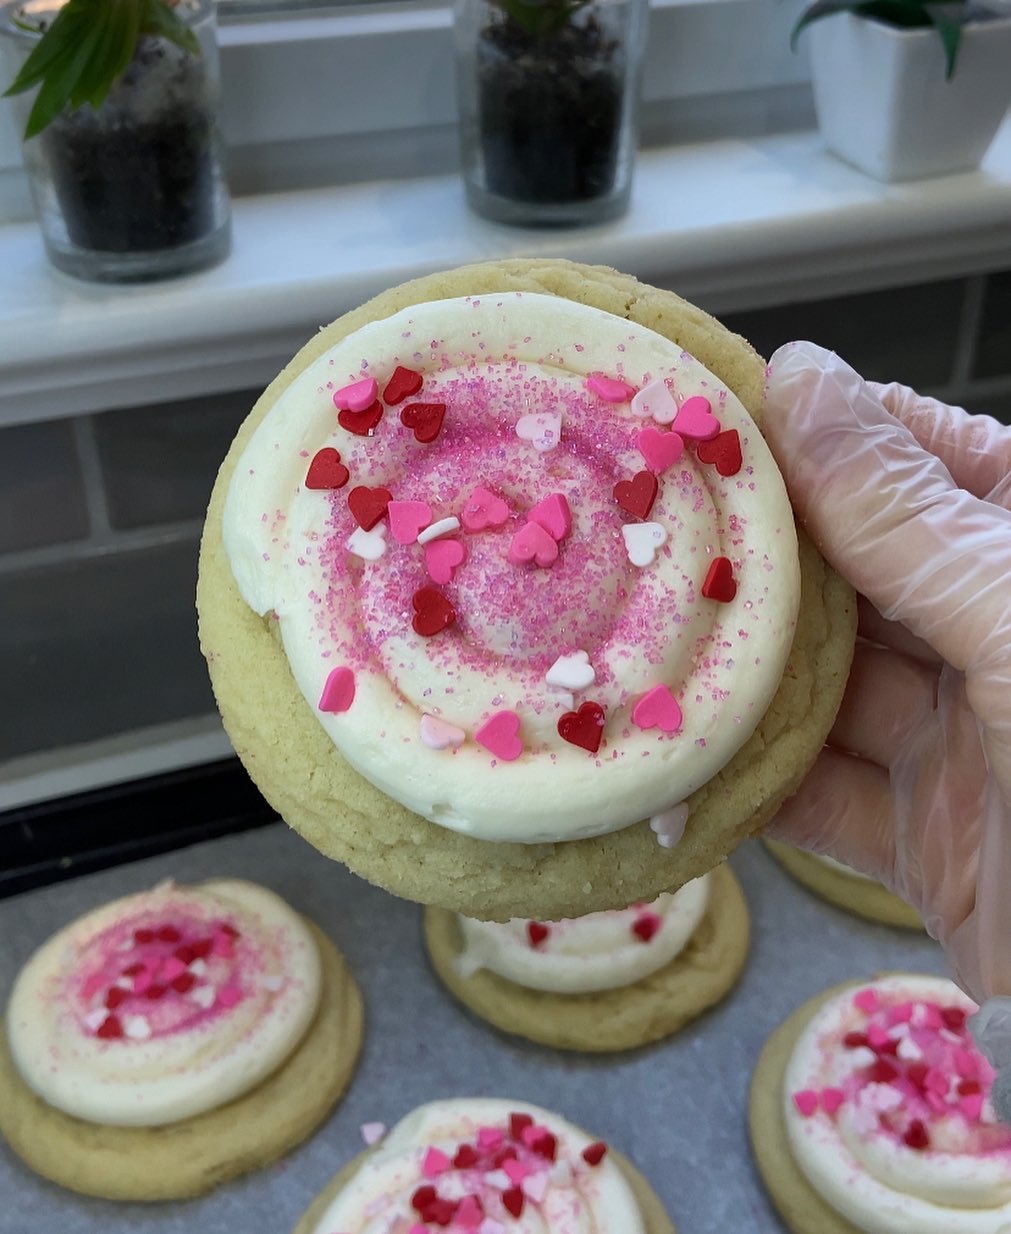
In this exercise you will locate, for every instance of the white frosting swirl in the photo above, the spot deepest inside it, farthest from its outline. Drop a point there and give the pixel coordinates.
(601, 951)
(558, 1192)
(499, 363)
(163, 1005)
(888, 1116)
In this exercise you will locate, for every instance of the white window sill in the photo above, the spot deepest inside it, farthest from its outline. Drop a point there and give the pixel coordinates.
(730, 224)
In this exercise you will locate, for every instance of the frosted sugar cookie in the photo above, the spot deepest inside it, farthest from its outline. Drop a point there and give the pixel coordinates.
(870, 1114)
(491, 1166)
(845, 887)
(609, 981)
(503, 600)
(171, 1040)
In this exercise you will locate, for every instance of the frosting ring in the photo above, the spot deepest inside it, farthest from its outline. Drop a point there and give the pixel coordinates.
(516, 775)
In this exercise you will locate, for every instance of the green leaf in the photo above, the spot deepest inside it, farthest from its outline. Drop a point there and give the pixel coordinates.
(58, 85)
(159, 19)
(950, 30)
(69, 26)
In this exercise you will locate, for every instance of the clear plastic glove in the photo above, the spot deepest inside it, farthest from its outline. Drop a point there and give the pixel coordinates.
(910, 500)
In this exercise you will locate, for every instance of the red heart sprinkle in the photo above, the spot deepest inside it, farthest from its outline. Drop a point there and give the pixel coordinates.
(361, 423)
(916, 1135)
(440, 1212)
(425, 419)
(432, 611)
(132, 970)
(882, 1072)
(185, 954)
(504, 1154)
(646, 926)
(513, 1200)
(326, 470)
(154, 992)
(403, 383)
(593, 1154)
(537, 932)
(853, 1041)
(518, 1123)
(585, 727)
(115, 996)
(423, 1197)
(202, 947)
(724, 450)
(887, 1047)
(183, 983)
(230, 930)
(466, 1157)
(637, 495)
(720, 583)
(143, 936)
(110, 1027)
(916, 1073)
(954, 1018)
(368, 505)
(545, 1146)
(168, 934)
(969, 1088)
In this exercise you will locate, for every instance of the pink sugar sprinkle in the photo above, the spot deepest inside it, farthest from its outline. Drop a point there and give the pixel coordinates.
(806, 1101)
(489, 1137)
(229, 995)
(867, 1000)
(435, 1163)
(971, 1106)
(831, 1099)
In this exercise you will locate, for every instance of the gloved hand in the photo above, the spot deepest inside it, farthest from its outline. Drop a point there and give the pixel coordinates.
(910, 500)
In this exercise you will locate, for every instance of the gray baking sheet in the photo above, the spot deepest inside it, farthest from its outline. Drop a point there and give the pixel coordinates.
(679, 1109)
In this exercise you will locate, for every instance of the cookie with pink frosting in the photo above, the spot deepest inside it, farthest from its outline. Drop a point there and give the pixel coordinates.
(482, 1165)
(609, 981)
(871, 1114)
(503, 600)
(173, 1039)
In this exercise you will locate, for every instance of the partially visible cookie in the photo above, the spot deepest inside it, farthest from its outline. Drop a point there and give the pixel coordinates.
(613, 981)
(870, 1114)
(172, 1040)
(845, 887)
(482, 1163)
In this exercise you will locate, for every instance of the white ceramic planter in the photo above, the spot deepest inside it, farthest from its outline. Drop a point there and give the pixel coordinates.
(883, 102)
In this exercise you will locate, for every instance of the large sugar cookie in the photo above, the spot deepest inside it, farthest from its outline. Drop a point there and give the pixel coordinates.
(626, 1011)
(557, 1184)
(149, 1071)
(289, 720)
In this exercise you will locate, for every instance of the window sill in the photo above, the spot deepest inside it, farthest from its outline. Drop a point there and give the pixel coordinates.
(730, 224)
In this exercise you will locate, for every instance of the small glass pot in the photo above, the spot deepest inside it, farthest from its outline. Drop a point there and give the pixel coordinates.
(135, 189)
(548, 95)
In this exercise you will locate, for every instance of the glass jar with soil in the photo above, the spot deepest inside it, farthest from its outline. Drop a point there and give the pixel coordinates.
(134, 189)
(548, 98)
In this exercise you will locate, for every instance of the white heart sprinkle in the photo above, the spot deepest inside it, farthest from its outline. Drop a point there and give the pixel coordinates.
(444, 527)
(571, 672)
(642, 541)
(543, 429)
(655, 402)
(440, 734)
(669, 826)
(561, 1174)
(498, 1179)
(203, 996)
(535, 1186)
(198, 968)
(369, 545)
(95, 1019)
(373, 1132)
(861, 1057)
(136, 1027)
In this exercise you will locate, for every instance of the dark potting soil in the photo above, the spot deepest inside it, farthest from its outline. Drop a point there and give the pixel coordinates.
(550, 111)
(128, 184)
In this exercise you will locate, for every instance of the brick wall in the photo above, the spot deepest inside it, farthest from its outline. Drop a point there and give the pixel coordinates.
(100, 515)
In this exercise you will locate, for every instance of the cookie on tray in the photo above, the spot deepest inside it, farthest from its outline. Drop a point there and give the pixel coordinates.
(172, 1040)
(845, 887)
(488, 1165)
(871, 1114)
(610, 981)
(502, 597)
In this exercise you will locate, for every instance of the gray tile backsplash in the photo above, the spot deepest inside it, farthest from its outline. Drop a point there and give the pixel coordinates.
(42, 497)
(100, 646)
(158, 463)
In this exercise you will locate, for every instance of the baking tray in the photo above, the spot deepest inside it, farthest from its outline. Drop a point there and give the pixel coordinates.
(678, 1109)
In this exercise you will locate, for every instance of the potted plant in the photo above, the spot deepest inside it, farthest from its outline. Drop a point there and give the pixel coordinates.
(119, 100)
(549, 93)
(907, 88)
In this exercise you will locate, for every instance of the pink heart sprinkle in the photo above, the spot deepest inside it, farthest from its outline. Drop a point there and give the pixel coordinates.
(339, 691)
(543, 429)
(489, 1137)
(972, 1106)
(469, 1215)
(832, 1099)
(554, 515)
(658, 708)
(439, 735)
(966, 1063)
(172, 968)
(536, 1186)
(358, 396)
(877, 1036)
(532, 543)
(695, 419)
(442, 557)
(610, 389)
(500, 735)
(142, 981)
(655, 402)
(867, 1001)
(490, 1226)
(936, 1081)
(532, 1133)
(229, 995)
(407, 519)
(516, 1170)
(483, 509)
(372, 1133)
(901, 1013)
(435, 1163)
(659, 450)
(806, 1102)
